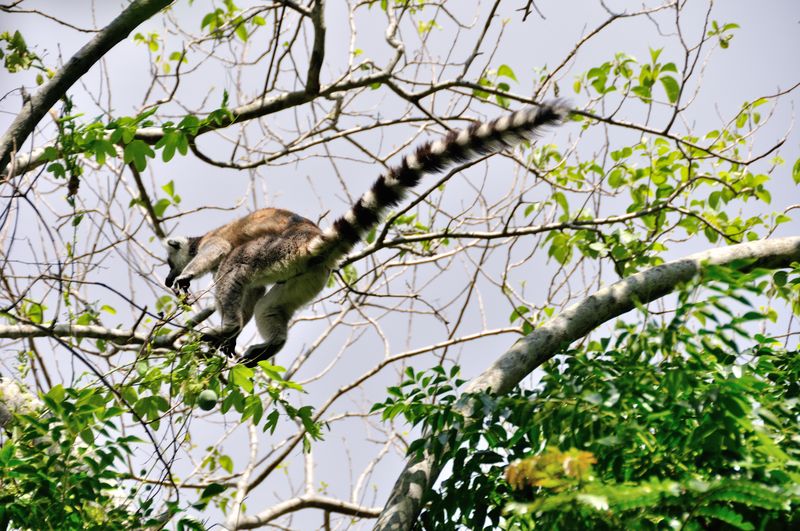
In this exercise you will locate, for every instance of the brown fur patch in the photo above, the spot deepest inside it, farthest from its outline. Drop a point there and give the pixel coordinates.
(264, 222)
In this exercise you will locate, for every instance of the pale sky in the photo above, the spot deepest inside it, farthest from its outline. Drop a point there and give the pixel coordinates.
(761, 60)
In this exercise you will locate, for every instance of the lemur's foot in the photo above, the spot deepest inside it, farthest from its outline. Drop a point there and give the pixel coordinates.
(261, 352)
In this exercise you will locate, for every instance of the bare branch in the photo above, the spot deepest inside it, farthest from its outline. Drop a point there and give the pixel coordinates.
(318, 49)
(115, 335)
(146, 202)
(255, 109)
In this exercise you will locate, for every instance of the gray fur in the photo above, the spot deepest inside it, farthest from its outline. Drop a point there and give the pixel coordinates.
(207, 259)
(177, 257)
(241, 275)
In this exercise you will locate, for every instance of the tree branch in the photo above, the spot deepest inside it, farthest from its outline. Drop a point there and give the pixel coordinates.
(307, 502)
(255, 109)
(405, 501)
(115, 335)
(146, 203)
(80, 63)
(318, 48)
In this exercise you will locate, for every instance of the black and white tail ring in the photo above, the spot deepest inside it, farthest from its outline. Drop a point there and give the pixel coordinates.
(432, 157)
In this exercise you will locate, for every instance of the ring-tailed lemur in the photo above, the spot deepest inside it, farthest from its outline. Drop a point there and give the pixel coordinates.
(279, 248)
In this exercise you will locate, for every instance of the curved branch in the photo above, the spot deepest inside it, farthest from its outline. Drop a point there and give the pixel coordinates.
(76, 67)
(405, 501)
(146, 202)
(255, 109)
(307, 502)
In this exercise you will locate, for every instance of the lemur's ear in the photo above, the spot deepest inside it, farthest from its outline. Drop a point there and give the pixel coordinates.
(171, 244)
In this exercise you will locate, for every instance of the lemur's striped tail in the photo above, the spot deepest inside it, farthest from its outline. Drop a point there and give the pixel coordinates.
(431, 157)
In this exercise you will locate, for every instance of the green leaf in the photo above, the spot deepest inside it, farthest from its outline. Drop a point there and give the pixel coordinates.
(57, 169)
(170, 143)
(242, 376)
(226, 463)
(212, 490)
(655, 53)
(506, 71)
(671, 87)
(35, 312)
(169, 188)
(189, 124)
(561, 199)
(87, 436)
(161, 206)
(137, 151)
(517, 313)
(272, 421)
(241, 32)
(643, 92)
(57, 393)
(724, 514)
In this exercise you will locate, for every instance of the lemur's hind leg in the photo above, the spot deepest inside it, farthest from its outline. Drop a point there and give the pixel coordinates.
(225, 338)
(236, 298)
(262, 261)
(273, 323)
(274, 310)
(251, 298)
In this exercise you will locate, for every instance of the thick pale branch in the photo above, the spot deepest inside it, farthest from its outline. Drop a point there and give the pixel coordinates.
(77, 66)
(307, 502)
(114, 335)
(405, 501)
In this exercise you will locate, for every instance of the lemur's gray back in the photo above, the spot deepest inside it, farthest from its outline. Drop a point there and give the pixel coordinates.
(431, 157)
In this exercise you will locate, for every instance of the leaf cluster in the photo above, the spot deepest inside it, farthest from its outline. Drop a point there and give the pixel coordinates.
(691, 421)
(58, 466)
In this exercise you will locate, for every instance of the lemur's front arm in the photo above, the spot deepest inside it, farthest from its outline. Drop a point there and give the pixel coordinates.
(208, 257)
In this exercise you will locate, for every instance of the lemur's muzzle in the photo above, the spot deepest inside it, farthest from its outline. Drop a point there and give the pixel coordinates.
(170, 278)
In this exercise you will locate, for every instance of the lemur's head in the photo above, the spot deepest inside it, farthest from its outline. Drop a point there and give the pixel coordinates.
(179, 253)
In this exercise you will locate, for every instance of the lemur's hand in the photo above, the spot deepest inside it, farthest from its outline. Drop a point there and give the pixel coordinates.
(224, 342)
(181, 284)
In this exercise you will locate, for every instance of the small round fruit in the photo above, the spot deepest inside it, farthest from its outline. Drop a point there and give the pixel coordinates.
(207, 400)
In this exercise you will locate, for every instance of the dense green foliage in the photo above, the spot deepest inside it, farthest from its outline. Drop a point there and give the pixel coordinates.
(59, 468)
(683, 421)
(62, 465)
